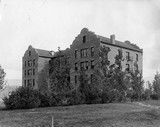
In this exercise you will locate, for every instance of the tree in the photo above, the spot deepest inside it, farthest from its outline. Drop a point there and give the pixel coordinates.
(148, 91)
(44, 80)
(89, 90)
(2, 76)
(137, 83)
(102, 71)
(156, 84)
(54, 79)
(110, 78)
(60, 73)
(102, 75)
(22, 98)
(120, 78)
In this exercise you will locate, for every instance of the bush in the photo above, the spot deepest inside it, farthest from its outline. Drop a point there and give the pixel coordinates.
(154, 96)
(45, 99)
(22, 98)
(74, 98)
(104, 97)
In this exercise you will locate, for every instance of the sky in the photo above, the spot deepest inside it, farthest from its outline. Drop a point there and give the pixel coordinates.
(49, 24)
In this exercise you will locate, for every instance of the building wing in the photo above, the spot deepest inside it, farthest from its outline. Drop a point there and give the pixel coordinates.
(125, 44)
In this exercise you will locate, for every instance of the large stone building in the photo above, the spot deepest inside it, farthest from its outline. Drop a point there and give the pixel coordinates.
(33, 62)
(83, 53)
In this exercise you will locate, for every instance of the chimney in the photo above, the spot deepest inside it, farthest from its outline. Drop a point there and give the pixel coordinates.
(112, 39)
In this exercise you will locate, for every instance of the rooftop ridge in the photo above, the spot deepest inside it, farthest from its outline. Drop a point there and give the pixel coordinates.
(126, 44)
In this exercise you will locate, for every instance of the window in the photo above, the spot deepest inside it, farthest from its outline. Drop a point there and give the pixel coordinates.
(92, 51)
(136, 67)
(127, 56)
(25, 73)
(76, 54)
(84, 39)
(34, 62)
(33, 82)
(29, 72)
(25, 64)
(33, 71)
(84, 53)
(29, 53)
(136, 57)
(84, 65)
(127, 67)
(29, 63)
(29, 82)
(24, 83)
(76, 79)
(92, 64)
(76, 66)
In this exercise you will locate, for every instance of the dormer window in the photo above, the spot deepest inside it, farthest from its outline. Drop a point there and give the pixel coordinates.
(84, 39)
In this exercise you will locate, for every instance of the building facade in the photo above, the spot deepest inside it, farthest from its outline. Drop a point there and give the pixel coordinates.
(33, 62)
(85, 53)
(82, 54)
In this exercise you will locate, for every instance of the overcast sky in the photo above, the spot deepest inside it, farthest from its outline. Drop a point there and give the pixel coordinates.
(47, 24)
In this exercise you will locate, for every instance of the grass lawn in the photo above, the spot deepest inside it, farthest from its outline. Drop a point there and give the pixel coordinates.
(97, 115)
(152, 102)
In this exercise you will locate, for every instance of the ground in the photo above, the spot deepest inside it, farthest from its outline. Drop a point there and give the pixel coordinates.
(136, 114)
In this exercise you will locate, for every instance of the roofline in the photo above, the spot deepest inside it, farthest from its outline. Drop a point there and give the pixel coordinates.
(58, 56)
(45, 56)
(123, 47)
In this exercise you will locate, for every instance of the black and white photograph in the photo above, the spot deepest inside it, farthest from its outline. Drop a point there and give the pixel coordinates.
(79, 63)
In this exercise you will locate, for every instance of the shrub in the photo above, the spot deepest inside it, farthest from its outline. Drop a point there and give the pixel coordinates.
(22, 98)
(74, 98)
(154, 96)
(55, 99)
(45, 99)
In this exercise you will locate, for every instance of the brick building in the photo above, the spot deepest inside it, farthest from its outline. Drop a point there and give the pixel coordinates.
(84, 53)
(32, 63)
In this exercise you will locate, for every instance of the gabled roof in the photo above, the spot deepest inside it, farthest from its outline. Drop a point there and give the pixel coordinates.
(44, 53)
(126, 44)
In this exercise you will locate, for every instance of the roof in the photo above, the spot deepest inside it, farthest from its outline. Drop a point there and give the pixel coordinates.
(62, 53)
(125, 44)
(44, 53)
